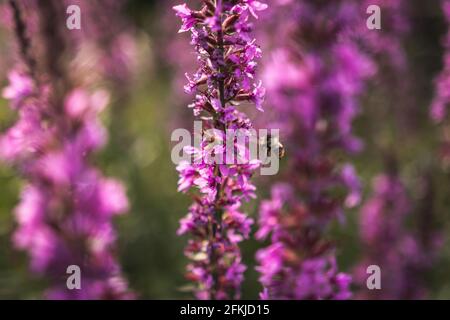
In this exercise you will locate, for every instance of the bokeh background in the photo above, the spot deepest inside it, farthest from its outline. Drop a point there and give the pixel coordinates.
(394, 119)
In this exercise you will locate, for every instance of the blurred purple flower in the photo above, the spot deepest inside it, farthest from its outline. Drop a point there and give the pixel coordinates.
(314, 78)
(441, 100)
(19, 88)
(65, 213)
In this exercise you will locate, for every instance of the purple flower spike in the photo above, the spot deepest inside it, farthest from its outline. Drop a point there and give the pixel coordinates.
(314, 78)
(225, 78)
(64, 216)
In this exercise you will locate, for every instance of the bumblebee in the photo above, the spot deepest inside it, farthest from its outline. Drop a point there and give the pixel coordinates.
(268, 142)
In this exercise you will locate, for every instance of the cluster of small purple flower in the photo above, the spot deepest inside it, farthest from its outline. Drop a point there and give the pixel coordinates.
(224, 80)
(65, 214)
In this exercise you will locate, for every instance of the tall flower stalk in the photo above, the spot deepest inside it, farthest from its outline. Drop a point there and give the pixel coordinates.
(385, 241)
(225, 78)
(387, 46)
(404, 255)
(313, 80)
(65, 214)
